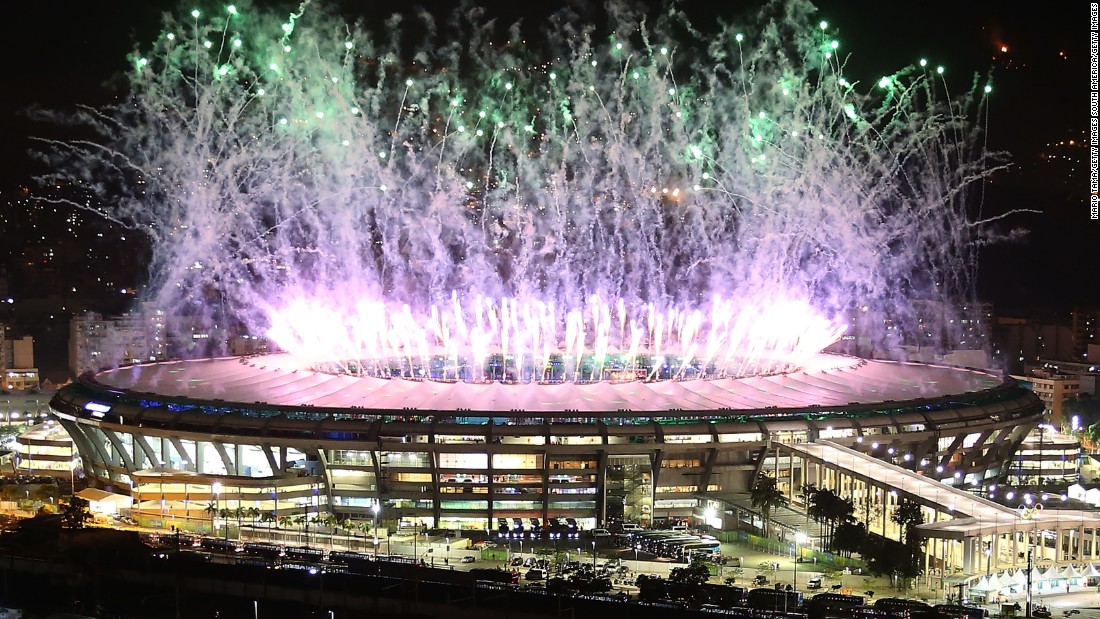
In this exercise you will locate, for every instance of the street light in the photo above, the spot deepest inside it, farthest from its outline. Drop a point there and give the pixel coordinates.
(799, 539)
(313, 571)
(374, 508)
(593, 555)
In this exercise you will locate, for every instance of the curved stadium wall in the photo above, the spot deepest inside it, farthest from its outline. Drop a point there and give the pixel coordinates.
(257, 432)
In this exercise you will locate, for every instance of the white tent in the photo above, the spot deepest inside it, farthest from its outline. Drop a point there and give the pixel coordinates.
(1069, 572)
(1020, 577)
(983, 585)
(1091, 571)
(1037, 577)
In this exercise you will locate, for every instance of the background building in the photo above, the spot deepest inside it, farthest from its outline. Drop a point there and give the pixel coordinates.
(1054, 389)
(97, 342)
(17, 368)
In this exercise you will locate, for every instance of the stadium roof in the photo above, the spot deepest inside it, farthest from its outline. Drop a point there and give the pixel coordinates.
(828, 380)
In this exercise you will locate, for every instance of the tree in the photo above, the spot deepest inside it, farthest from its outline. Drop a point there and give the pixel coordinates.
(887, 557)
(46, 492)
(286, 522)
(693, 575)
(9, 492)
(329, 520)
(212, 509)
(830, 510)
(239, 513)
(849, 538)
(766, 497)
(588, 582)
(908, 516)
(268, 518)
(766, 568)
(301, 520)
(651, 588)
(733, 573)
(224, 513)
(345, 523)
(253, 514)
(75, 513)
(806, 492)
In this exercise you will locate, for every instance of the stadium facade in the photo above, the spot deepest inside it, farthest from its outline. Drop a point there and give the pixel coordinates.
(264, 434)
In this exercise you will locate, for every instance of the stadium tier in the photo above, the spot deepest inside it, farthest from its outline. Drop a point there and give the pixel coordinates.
(260, 432)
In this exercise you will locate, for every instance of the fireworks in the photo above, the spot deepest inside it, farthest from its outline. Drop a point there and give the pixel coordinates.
(638, 201)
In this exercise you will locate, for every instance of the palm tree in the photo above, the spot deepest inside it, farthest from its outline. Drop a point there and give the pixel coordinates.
(344, 522)
(212, 509)
(329, 521)
(829, 510)
(766, 497)
(252, 513)
(907, 515)
(268, 518)
(807, 493)
(239, 514)
(285, 521)
(301, 520)
(363, 527)
(224, 513)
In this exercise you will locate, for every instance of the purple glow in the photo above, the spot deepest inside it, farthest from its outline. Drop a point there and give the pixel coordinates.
(636, 203)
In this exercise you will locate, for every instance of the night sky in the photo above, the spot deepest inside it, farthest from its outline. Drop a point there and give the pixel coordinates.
(61, 53)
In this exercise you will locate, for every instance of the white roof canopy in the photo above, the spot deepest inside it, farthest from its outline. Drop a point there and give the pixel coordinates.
(279, 379)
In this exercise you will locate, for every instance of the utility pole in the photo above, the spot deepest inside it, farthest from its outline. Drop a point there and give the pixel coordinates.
(1027, 595)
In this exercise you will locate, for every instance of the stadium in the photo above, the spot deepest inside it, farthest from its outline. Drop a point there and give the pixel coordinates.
(263, 434)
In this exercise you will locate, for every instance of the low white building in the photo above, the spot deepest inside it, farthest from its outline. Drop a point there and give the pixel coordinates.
(1090, 496)
(105, 503)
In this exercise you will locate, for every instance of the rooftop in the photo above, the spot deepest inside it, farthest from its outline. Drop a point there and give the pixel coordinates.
(828, 380)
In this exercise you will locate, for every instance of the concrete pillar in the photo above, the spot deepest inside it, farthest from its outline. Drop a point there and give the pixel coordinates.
(996, 549)
(1078, 551)
(968, 555)
(200, 460)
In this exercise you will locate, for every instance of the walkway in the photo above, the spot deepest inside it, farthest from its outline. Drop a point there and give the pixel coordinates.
(972, 516)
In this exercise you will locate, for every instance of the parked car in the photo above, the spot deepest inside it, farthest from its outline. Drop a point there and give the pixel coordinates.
(760, 580)
(535, 574)
(468, 558)
(814, 583)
